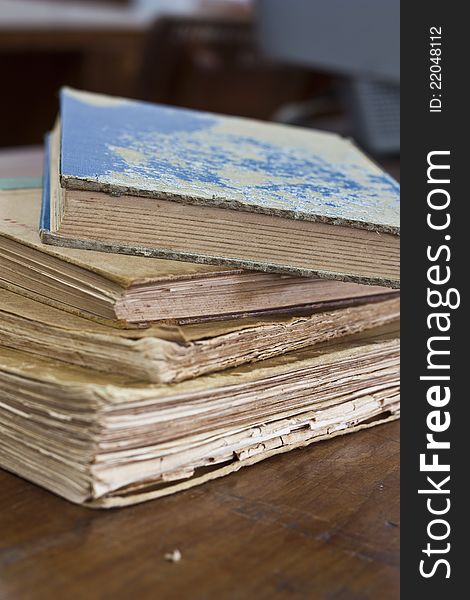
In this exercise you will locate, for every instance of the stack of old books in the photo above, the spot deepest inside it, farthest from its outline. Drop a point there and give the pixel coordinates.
(194, 294)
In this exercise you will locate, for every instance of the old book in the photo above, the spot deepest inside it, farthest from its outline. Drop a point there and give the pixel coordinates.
(130, 291)
(102, 440)
(175, 353)
(136, 178)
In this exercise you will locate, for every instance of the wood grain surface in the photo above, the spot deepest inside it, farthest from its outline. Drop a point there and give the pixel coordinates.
(322, 522)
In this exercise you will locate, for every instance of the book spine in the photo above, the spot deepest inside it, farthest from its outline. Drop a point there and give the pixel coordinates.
(45, 216)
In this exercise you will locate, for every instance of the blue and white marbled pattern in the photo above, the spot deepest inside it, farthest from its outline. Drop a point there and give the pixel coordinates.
(138, 147)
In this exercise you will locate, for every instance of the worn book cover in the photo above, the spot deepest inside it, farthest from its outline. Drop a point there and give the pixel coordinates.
(257, 195)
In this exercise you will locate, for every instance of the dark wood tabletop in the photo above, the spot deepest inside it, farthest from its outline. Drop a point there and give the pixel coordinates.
(321, 522)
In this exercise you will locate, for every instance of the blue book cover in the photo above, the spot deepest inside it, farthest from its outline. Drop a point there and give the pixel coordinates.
(135, 150)
(146, 149)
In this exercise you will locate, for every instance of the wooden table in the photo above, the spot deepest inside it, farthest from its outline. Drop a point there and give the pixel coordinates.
(318, 523)
(321, 522)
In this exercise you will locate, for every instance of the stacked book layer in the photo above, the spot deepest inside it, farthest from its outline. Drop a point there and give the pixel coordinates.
(164, 354)
(130, 291)
(104, 440)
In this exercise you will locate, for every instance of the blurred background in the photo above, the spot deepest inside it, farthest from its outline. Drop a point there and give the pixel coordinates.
(328, 64)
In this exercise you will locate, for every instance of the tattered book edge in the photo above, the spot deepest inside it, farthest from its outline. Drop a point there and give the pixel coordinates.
(236, 465)
(56, 239)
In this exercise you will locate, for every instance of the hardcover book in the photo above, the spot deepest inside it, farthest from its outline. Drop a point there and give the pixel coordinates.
(131, 291)
(135, 178)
